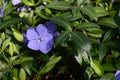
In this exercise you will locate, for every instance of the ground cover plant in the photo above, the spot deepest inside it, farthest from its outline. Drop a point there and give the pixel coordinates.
(60, 39)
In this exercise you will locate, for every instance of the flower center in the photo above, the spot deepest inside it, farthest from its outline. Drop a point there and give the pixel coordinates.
(39, 39)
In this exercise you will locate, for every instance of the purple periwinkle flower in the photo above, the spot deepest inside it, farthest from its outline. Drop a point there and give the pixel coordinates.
(16, 2)
(52, 28)
(1, 12)
(24, 8)
(39, 39)
(117, 75)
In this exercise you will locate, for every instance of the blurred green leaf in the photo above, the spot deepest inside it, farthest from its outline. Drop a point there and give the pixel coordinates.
(89, 11)
(89, 72)
(11, 49)
(108, 76)
(22, 74)
(60, 5)
(108, 22)
(61, 22)
(102, 51)
(94, 35)
(108, 35)
(88, 25)
(2, 36)
(109, 67)
(49, 65)
(100, 12)
(5, 43)
(81, 40)
(17, 35)
(15, 72)
(28, 3)
(62, 37)
(96, 66)
(9, 22)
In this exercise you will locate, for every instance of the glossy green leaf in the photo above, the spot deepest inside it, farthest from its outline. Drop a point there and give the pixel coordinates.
(81, 40)
(100, 12)
(88, 25)
(61, 22)
(17, 35)
(108, 76)
(108, 22)
(5, 43)
(22, 74)
(109, 67)
(102, 51)
(96, 66)
(62, 37)
(108, 35)
(11, 49)
(9, 22)
(28, 3)
(94, 35)
(89, 11)
(49, 65)
(59, 5)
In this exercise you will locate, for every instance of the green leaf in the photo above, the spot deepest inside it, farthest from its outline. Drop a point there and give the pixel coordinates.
(61, 22)
(94, 35)
(59, 5)
(3, 36)
(88, 25)
(108, 22)
(9, 22)
(62, 37)
(15, 72)
(5, 43)
(49, 65)
(109, 67)
(22, 74)
(108, 35)
(28, 3)
(11, 49)
(89, 72)
(108, 76)
(100, 12)
(81, 40)
(21, 60)
(102, 51)
(96, 66)
(39, 12)
(89, 11)
(17, 35)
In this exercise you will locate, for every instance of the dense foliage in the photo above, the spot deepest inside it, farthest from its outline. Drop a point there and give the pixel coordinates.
(59, 39)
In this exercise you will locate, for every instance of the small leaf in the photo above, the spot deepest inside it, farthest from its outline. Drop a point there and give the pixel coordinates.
(94, 35)
(89, 11)
(5, 43)
(100, 12)
(108, 22)
(102, 51)
(49, 65)
(17, 35)
(96, 66)
(81, 40)
(22, 74)
(62, 37)
(89, 72)
(61, 22)
(3, 36)
(28, 3)
(11, 49)
(59, 5)
(9, 22)
(108, 35)
(108, 76)
(109, 67)
(88, 25)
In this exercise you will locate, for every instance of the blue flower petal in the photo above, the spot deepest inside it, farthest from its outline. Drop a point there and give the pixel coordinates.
(117, 75)
(41, 29)
(1, 12)
(47, 43)
(34, 45)
(51, 26)
(31, 34)
(16, 2)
